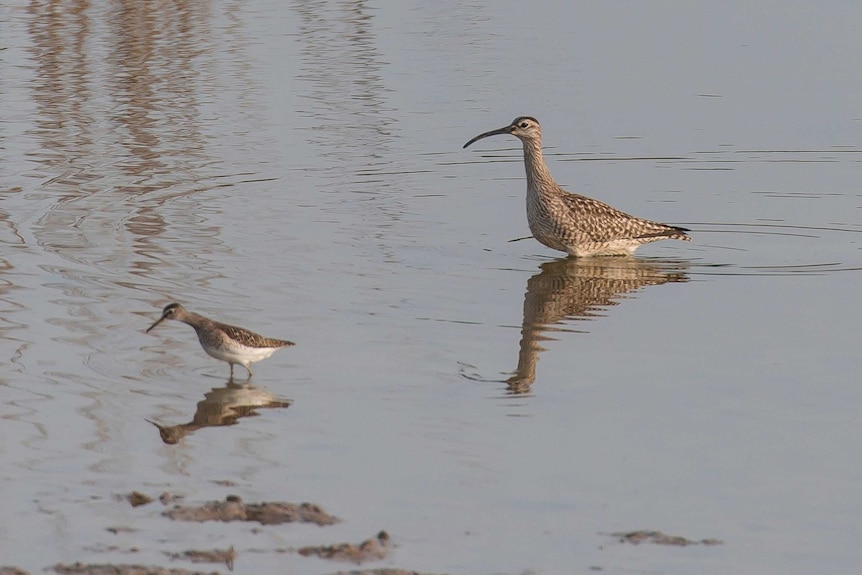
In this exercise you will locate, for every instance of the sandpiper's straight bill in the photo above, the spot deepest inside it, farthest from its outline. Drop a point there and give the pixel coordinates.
(573, 223)
(229, 343)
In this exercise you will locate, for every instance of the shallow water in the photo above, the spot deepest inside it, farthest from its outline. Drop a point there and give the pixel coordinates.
(296, 168)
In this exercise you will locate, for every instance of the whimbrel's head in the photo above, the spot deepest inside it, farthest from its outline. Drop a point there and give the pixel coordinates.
(524, 128)
(171, 311)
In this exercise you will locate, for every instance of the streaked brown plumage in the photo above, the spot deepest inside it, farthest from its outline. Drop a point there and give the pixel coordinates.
(573, 223)
(229, 343)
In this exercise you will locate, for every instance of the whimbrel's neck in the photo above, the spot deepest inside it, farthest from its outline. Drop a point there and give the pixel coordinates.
(539, 178)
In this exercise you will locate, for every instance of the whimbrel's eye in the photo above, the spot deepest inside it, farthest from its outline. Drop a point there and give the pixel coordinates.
(524, 124)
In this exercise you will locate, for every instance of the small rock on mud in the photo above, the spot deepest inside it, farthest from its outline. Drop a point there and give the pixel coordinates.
(136, 498)
(166, 498)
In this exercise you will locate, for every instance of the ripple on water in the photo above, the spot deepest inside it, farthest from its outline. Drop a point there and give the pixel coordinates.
(781, 250)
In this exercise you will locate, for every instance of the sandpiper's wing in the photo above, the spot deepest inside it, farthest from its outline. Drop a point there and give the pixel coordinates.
(251, 339)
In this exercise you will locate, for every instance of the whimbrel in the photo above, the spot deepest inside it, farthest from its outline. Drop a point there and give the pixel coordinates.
(229, 343)
(573, 223)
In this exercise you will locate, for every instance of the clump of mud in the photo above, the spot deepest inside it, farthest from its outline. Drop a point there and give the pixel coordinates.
(659, 538)
(106, 569)
(383, 571)
(225, 556)
(233, 509)
(373, 549)
(136, 498)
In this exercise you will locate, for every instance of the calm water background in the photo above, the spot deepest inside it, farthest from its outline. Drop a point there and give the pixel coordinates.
(296, 168)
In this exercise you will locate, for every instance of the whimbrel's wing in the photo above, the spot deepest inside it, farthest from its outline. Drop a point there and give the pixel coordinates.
(603, 223)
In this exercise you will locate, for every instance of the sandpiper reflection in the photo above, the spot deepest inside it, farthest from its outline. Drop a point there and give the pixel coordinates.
(222, 406)
(578, 288)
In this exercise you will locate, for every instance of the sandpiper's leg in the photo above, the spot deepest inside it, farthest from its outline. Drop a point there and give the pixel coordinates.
(248, 367)
(231, 370)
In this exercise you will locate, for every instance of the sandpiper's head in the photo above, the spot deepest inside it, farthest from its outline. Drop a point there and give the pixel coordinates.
(171, 434)
(522, 127)
(171, 311)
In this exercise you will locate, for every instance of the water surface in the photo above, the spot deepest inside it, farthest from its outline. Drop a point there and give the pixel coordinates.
(296, 168)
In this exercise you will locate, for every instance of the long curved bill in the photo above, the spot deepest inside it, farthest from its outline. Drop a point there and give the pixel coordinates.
(496, 132)
(157, 322)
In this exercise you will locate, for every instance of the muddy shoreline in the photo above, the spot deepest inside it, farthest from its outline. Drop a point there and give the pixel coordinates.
(234, 509)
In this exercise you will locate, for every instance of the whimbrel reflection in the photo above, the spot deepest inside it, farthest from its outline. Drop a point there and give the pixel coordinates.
(222, 406)
(578, 288)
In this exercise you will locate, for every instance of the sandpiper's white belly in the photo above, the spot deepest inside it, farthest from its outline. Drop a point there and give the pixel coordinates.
(240, 354)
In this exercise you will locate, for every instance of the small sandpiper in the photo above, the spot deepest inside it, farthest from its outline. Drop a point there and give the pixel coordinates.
(229, 343)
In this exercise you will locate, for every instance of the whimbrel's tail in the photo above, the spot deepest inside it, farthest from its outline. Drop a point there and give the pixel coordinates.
(669, 232)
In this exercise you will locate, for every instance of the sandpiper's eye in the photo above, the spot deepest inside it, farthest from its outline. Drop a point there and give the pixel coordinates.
(524, 124)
